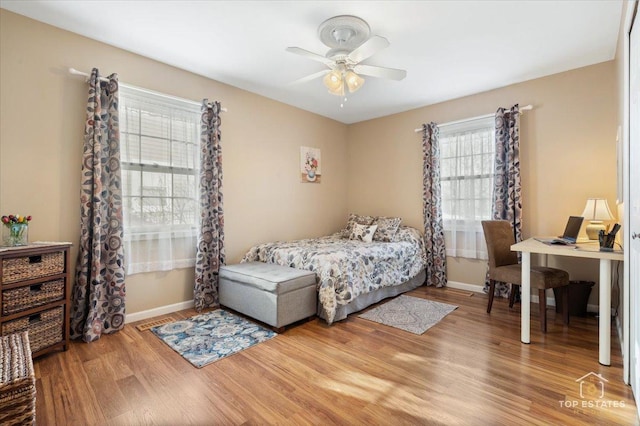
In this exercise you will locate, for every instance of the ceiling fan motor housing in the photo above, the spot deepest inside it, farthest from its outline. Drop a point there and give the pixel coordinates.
(344, 32)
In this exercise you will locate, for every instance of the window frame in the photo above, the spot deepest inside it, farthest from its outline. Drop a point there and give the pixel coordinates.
(140, 232)
(168, 241)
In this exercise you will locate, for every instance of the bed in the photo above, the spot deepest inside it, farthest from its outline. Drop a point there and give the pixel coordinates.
(352, 273)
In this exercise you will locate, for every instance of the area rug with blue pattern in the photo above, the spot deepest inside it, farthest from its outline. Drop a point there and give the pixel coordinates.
(208, 337)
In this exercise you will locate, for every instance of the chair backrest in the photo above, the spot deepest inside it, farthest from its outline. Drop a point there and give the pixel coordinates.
(499, 237)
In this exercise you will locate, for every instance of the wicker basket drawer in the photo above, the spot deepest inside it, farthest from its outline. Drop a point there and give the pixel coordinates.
(17, 381)
(27, 297)
(45, 328)
(30, 267)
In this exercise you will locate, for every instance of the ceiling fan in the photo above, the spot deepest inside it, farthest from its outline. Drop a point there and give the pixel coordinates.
(350, 43)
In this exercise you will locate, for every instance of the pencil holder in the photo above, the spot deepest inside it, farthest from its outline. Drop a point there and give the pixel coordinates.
(606, 241)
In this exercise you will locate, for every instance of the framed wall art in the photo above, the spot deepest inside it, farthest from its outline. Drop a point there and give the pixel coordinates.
(310, 162)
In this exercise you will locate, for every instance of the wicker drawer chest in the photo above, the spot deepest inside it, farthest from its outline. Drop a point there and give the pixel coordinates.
(35, 294)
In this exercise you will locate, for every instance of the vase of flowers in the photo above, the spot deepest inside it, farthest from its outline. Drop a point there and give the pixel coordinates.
(15, 231)
(311, 166)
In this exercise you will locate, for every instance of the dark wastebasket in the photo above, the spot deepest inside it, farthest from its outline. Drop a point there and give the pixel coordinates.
(579, 292)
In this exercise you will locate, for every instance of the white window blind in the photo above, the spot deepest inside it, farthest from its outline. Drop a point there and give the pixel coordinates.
(466, 176)
(159, 153)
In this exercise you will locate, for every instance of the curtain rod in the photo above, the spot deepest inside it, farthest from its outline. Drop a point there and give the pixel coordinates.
(76, 72)
(524, 108)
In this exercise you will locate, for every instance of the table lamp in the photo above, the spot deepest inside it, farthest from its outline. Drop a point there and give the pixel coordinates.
(596, 210)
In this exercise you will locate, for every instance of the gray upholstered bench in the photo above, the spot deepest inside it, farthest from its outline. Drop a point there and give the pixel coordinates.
(276, 295)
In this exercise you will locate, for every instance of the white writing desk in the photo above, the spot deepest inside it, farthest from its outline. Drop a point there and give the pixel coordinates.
(588, 251)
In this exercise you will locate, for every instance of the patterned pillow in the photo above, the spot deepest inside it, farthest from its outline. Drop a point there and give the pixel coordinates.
(387, 228)
(353, 219)
(363, 232)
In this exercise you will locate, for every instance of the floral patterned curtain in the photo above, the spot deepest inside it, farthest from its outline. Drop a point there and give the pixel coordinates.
(99, 291)
(432, 208)
(507, 190)
(210, 255)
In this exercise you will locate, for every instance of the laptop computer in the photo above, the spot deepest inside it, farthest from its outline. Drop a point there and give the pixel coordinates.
(570, 234)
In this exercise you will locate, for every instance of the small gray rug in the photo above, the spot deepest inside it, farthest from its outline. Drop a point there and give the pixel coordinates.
(410, 314)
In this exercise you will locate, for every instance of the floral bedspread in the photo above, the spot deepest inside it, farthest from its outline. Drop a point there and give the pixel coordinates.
(347, 268)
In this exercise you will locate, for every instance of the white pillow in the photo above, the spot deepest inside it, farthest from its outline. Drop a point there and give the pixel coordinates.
(363, 232)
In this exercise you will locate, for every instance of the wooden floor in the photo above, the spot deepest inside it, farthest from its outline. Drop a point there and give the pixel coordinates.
(469, 369)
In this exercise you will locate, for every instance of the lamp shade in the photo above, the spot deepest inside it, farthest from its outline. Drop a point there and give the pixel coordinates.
(333, 81)
(597, 209)
(354, 81)
(338, 91)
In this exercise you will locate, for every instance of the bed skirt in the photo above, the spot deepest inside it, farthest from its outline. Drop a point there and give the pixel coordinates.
(368, 299)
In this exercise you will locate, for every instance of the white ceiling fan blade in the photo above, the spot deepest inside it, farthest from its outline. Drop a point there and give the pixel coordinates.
(309, 77)
(381, 72)
(368, 48)
(310, 55)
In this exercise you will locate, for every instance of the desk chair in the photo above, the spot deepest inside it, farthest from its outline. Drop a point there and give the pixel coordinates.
(504, 267)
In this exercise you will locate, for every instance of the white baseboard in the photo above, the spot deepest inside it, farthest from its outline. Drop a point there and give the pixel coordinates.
(593, 308)
(162, 310)
(551, 301)
(464, 286)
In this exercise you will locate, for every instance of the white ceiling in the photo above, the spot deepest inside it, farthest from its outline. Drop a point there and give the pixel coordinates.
(449, 48)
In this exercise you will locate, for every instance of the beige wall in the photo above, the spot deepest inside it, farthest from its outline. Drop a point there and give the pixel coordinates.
(373, 167)
(41, 132)
(568, 153)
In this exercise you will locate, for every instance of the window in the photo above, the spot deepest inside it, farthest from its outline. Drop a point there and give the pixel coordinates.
(466, 176)
(159, 153)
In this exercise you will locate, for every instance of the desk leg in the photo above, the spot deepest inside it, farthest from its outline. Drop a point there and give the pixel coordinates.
(525, 307)
(605, 312)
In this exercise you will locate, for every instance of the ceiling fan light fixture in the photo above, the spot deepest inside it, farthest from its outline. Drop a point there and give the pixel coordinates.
(338, 91)
(350, 42)
(334, 82)
(354, 81)
(333, 79)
